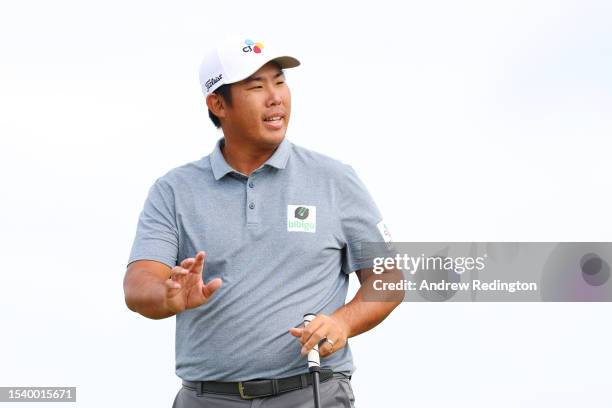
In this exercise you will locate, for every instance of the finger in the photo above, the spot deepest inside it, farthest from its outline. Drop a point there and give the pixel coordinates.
(178, 273)
(187, 262)
(178, 270)
(211, 287)
(297, 332)
(198, 264)
(314, 339)
(325, 348)
(311, 328)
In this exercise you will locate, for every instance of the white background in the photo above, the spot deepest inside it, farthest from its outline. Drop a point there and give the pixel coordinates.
(467, 120)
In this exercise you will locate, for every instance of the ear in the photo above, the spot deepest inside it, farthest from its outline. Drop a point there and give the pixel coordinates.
(216, 105)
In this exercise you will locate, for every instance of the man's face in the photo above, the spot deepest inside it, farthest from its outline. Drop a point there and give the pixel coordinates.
(260, 108)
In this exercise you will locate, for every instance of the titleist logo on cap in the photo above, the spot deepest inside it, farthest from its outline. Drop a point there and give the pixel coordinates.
(212, 81)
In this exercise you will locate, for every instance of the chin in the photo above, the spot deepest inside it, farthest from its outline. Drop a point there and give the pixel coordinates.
(273, 138)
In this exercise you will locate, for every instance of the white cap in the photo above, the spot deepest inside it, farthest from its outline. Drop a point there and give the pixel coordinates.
(236, 58)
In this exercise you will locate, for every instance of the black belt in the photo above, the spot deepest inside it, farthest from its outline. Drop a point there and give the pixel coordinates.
(257, 388)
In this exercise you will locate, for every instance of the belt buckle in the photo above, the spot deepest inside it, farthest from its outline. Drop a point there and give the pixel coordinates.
(241, 391)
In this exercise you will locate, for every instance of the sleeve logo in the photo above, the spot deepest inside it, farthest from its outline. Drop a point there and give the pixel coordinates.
(384, 231)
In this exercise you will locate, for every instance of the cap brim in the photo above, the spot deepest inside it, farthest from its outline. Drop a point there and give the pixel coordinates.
(283, 61)
(286, 61)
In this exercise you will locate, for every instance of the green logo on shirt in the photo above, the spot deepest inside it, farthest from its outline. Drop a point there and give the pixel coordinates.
(301, 218)
(301, 226)
(301, 213)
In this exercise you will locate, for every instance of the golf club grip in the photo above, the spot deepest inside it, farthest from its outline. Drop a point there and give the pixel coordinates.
(314, 361)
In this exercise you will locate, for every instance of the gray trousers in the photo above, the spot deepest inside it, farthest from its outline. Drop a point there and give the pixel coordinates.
(335, 393)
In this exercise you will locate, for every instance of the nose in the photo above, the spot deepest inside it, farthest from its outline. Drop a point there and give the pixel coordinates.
(274, 97)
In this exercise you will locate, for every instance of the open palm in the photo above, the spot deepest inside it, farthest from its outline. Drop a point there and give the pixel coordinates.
(186, 287)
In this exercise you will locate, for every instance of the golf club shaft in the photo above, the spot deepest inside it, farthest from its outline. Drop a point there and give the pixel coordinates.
(315, 389)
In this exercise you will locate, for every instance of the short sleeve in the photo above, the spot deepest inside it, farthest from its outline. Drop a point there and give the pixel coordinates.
(156, 233)
(360, 221)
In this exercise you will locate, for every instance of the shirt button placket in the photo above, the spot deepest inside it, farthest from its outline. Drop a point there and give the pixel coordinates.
(251, 202)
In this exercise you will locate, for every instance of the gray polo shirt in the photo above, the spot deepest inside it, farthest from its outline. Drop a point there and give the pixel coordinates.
(283, 240)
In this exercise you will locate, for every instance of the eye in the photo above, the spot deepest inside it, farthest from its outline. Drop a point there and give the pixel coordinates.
(280, 82)
(256, 87)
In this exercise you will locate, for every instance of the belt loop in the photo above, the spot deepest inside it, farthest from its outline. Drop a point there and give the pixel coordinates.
(200, 388)
(304, 380)
(274, 386)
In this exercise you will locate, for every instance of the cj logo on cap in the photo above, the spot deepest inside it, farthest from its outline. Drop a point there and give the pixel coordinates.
(301, 218)
(255, 47)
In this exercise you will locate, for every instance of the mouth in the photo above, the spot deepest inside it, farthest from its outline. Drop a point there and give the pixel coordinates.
(274, 121)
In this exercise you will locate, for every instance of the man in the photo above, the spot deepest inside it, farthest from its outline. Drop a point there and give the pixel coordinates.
(276, 229)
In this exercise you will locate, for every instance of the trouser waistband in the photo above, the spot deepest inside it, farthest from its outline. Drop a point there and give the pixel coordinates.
(259, 388)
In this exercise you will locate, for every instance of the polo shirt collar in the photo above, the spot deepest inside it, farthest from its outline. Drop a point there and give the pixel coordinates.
(220, 167)
(217, 162)
(280, 156)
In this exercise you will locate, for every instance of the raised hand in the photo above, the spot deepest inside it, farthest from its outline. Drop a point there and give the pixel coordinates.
(186, 288)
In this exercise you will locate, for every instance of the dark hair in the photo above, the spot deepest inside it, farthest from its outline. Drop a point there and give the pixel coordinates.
(224, 92)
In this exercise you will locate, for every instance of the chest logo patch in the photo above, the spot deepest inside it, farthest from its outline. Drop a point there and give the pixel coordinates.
(301, 218)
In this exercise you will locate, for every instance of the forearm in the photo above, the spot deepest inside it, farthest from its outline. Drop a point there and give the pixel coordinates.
(146, 294)
(360, 315)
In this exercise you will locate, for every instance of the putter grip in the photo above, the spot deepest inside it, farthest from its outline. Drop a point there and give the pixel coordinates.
(313, 355)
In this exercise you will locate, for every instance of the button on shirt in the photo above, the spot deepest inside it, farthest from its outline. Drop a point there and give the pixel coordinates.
(283, 240)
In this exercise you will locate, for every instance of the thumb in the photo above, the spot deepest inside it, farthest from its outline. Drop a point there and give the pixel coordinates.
(211, 287)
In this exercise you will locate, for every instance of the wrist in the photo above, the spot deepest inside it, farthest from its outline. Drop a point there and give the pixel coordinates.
(342, 322)
(159, 305)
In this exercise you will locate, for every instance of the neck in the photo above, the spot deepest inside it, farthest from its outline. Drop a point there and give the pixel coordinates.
(246, 157)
